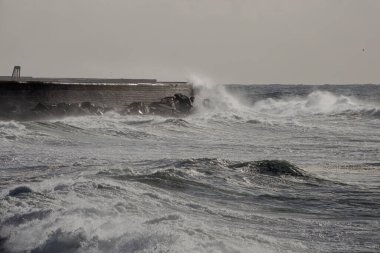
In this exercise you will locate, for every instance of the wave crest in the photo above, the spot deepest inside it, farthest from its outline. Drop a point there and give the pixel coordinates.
(271, 167)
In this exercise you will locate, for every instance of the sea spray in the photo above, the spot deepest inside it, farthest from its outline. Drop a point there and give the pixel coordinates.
(214, 100)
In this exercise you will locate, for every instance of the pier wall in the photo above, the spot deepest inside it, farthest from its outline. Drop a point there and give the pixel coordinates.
(29, 94)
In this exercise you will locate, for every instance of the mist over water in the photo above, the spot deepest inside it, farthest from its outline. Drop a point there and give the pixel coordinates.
(271, 168)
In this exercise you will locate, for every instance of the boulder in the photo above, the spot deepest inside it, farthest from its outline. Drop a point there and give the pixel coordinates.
(137, 108)
(40, 107)
(91, 108)
(182, 103)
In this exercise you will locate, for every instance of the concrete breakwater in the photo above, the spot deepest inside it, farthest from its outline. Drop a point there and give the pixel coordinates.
(22, 95)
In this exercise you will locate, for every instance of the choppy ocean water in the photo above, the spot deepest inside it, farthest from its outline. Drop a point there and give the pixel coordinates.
(270, 168)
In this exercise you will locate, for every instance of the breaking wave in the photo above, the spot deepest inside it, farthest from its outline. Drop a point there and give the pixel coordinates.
(170, 205)
(317, 102)
(114, 210)
(213, 101)
(222, 105)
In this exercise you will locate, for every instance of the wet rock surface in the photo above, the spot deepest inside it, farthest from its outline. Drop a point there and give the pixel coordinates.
(176, 105)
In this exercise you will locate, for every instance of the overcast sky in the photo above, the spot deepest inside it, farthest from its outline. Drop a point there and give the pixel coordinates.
(228, 41)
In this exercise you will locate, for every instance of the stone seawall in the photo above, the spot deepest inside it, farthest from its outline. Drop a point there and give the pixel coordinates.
(28, 94)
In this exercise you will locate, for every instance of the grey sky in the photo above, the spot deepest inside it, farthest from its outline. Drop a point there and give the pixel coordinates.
(228, 41)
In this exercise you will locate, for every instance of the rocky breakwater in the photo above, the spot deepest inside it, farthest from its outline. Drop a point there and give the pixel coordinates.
(174, 106)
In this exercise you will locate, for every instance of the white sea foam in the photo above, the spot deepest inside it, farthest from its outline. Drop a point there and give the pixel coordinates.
(11, 129)
(317, 102)
(100, 215)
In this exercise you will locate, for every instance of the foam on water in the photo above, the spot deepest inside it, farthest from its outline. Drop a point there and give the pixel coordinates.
(11, 129)
(181, 205)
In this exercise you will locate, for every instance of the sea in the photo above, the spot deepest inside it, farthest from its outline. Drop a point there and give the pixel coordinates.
(254, 168)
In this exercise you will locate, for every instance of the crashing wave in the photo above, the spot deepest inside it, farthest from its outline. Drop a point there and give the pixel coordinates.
(224, 105)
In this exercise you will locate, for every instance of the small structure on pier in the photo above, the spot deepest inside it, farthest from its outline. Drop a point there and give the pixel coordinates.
(16, 72)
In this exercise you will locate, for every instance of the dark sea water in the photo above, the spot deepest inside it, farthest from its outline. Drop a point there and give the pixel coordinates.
(272, 168)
